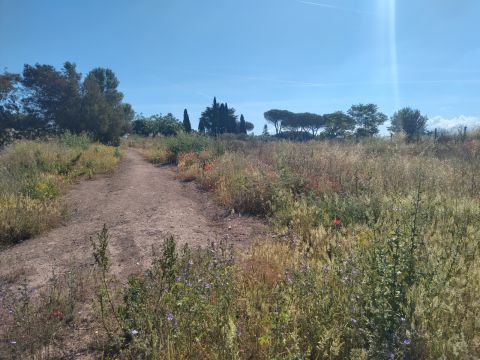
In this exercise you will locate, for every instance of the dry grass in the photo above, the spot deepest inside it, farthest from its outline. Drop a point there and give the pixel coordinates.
(34, 174)
(382, 260)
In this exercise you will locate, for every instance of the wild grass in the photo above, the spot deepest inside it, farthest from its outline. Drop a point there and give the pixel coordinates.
(381, 260)
(33, 175)
(36, 323)
(384, 258)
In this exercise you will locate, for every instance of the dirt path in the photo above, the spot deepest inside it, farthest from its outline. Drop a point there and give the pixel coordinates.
(140, 204)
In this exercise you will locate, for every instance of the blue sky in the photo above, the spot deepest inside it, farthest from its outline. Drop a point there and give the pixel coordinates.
(317, 56)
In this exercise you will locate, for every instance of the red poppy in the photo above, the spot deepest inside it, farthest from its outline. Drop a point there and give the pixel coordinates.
(57, 313)
(337, 222)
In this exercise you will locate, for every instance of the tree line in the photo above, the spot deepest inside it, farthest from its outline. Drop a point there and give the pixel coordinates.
(220, 119)
(43, 97)
(360, 121)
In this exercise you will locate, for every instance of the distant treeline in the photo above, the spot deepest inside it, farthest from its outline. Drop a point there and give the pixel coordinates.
(215, 120)
(43, 97)
(362, 120)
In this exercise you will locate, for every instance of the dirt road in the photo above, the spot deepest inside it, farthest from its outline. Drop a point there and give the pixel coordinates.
(140, 204)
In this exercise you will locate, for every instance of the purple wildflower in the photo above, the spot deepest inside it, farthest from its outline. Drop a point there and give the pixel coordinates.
(407, 342)
(170, 317)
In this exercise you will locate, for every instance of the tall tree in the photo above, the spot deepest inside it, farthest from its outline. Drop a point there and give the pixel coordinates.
(242, 127)
(107, 83)
(230, 120)
(367, 119)
(58, 99)
(410, 121)
(223, 123)
(311, 122)
(218, 119)
(276, 117)
(9, 106)
(338, 125)
(103, 112)
(186, 122)
(249, 126)
(201, 126)
(304, 122)
(52, 97)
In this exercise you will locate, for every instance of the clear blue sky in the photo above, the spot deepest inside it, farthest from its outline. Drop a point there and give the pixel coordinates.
(316, 56)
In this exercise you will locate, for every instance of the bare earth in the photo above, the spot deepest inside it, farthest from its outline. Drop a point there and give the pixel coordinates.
(140, 204)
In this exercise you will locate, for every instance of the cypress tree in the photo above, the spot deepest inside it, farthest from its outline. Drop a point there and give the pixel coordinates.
(186, 122)
(201, 126)
(230, 120)
(242, 127)
(215, 118)
(222, 126)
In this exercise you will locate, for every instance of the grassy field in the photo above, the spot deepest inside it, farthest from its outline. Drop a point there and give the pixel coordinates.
(382, 261)
(32, 176)
(376, 257)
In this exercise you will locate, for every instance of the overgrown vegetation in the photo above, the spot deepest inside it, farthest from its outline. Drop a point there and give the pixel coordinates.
(383, 260)
(377, 257)
(155, 125)
(34, 323)
(33, 174)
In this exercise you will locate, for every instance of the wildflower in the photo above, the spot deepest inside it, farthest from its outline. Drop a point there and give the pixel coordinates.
(207, 285)
(407, 342)
(57, 313)
(170, 317)
(190, 262)
(337, 221)
(134, 332)
(207, 167)
(354, 320)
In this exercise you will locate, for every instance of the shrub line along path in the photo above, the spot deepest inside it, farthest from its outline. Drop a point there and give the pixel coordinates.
(140, 204)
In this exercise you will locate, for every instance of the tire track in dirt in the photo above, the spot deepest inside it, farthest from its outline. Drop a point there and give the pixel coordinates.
(140, 204)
